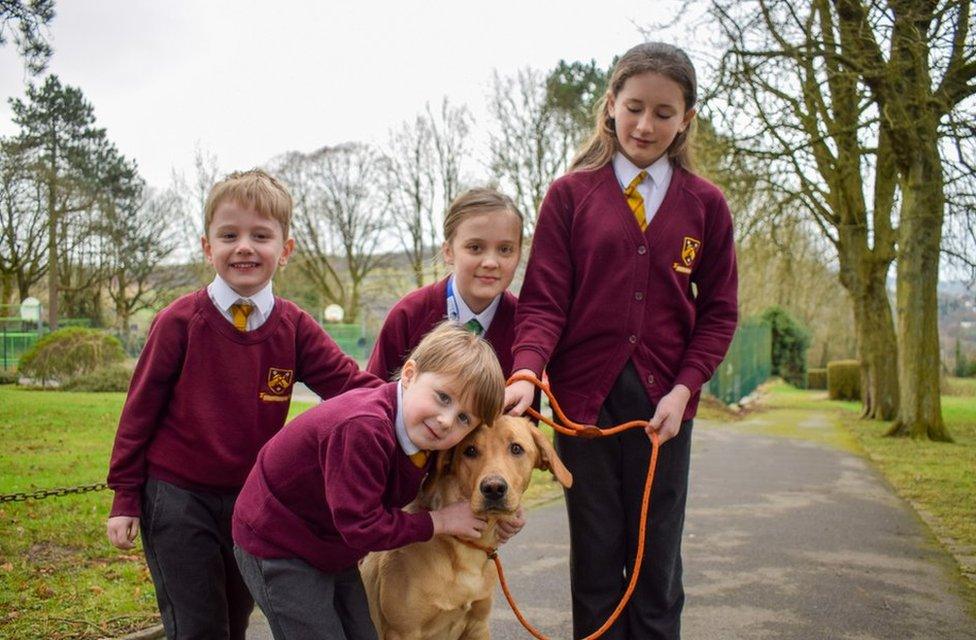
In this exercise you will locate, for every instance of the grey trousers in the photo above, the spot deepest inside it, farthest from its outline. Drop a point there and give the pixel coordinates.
(190, 553)
(303, 603)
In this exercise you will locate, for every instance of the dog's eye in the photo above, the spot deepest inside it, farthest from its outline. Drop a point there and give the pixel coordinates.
(516, 449)
(470, 452)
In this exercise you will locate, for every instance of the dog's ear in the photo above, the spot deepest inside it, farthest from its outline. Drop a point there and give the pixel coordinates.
(548, 460)
(442, 462)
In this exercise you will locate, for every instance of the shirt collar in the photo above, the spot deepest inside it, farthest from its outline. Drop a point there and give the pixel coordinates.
(406, 444)
(464, 313)
(224, 296)
(626, 171)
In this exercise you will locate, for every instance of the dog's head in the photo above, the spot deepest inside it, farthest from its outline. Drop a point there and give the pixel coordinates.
(493, 465)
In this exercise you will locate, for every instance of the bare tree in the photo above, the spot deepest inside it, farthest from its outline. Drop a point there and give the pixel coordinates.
(918, 60)
(811, 123)
(423, 172)
(23, 225)
(410, 187)
(191, 193)
(449, 135)
(141, 233)
(340, 214)
(531, 140)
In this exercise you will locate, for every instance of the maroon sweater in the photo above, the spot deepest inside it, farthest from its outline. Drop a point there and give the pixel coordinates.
(598, 292)
(205, 397)
(330, 487)
(418, 312)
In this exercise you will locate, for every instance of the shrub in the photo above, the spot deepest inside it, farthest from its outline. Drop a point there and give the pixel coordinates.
(8, 376)
(817, 379)
(69, 352)
(790, 342)
(844, 380)
(114, 377)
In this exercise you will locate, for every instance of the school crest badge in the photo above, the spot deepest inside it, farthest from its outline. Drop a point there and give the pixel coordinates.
(279, 379)
(689, 253)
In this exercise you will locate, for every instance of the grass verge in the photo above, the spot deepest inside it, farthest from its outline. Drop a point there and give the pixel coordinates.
(59, 577)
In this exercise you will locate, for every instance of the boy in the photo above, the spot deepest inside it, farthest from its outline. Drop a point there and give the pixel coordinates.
(212, 385)
(330, 487)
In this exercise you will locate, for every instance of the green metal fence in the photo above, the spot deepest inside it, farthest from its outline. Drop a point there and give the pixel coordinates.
(747, 364)
(351, 338)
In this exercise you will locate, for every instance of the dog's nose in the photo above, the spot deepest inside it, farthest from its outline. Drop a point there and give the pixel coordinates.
(493, 488)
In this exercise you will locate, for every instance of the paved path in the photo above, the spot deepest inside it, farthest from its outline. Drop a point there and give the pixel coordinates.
(784, 540)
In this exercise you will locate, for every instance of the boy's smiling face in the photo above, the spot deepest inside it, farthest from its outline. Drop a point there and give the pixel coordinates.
(434, 414)
(245, 247)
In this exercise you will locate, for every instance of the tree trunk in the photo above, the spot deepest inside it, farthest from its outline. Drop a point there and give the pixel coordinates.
(920, 234)
(53, 278)
(877, 350)
(863, 274)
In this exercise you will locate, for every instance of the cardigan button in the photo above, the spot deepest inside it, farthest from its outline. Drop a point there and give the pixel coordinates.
(639, 295)
(650, 378)
(633, 339)
(642, 249)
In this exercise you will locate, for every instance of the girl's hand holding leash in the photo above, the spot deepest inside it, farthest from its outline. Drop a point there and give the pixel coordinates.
(667, 416)
(519, 394)
(122, 530)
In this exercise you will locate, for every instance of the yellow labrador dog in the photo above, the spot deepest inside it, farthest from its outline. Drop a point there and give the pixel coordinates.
(442, 589)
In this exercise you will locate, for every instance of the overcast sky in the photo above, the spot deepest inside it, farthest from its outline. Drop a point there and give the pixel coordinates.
(248, 80)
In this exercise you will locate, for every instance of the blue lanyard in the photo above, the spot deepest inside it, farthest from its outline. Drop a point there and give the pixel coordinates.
(453, 313)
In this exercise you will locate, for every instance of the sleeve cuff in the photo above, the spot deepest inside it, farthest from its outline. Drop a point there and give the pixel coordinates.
(531, 360)
(691, 378)
(126, 503)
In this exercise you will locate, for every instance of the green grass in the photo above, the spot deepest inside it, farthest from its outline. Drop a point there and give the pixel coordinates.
(59, 577)
(938, 479)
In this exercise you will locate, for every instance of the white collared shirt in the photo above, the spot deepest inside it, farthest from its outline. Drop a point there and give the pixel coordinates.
(465, 314)
(223, 297)
(653, 188)
(401, 428)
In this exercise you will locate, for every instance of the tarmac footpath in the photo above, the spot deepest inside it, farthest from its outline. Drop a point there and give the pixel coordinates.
(784, 539)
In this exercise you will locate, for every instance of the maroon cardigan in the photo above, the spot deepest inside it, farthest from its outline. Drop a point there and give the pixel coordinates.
(330, 486)
(418, 312)
(598, 292)
(205, 397)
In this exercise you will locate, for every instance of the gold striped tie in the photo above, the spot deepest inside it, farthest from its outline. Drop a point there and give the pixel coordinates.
(239, 312)
(635, 200)
(419, 459)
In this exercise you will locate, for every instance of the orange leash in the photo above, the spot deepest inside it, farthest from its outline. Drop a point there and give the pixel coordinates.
(587, 431)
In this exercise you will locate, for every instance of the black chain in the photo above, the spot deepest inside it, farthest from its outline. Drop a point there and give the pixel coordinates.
(47, 493)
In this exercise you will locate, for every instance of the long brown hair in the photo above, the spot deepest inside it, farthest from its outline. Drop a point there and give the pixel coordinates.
(657, 57)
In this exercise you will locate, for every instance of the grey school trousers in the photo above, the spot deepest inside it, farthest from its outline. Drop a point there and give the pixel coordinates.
(190, 553)
(303, 603)
(604, 515)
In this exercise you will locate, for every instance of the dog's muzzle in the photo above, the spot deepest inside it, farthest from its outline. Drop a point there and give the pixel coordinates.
(494, 489)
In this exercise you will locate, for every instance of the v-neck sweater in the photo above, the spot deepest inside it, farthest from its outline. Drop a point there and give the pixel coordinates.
(331, 486)
(421, 310)
(205, 397)
(599, 292)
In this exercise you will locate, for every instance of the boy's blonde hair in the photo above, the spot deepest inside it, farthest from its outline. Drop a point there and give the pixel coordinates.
(475, 201)
(453, 351)
(255, 188)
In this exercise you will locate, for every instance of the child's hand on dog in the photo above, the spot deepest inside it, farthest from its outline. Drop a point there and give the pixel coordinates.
(458, 520)
(508, 528)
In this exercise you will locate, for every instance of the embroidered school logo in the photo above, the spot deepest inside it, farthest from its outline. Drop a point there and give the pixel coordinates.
(689, 252)
(279, 379)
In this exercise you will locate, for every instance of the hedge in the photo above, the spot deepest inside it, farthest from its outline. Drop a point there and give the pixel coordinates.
(844, 380)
